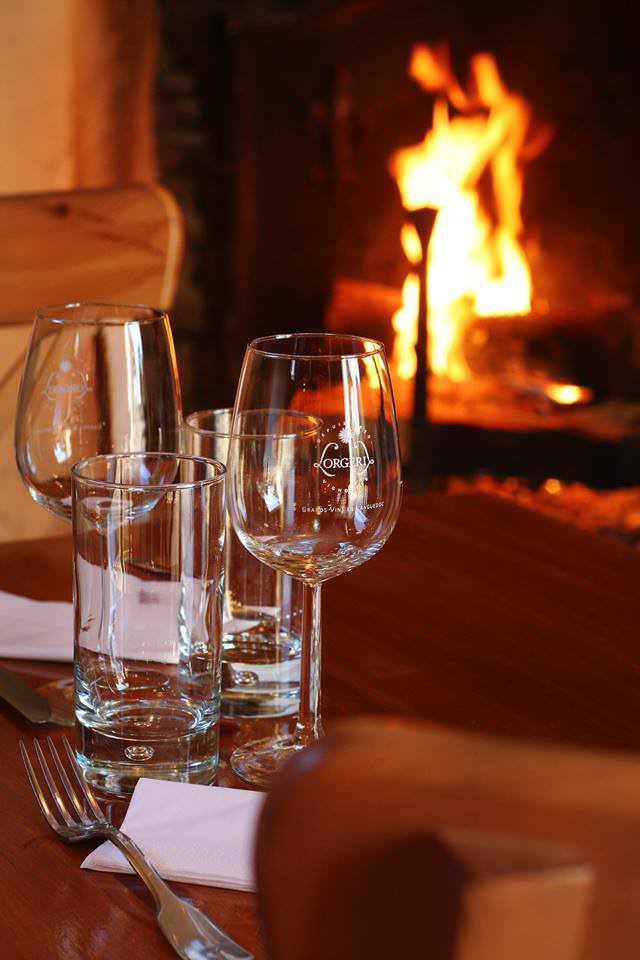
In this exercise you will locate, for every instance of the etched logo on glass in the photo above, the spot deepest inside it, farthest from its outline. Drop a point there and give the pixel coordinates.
(66, 381)
(356, 458)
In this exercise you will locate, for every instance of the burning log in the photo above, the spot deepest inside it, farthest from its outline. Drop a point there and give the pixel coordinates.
(594, 352)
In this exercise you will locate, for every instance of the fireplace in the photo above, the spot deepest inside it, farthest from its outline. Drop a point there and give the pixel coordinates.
(540, 398)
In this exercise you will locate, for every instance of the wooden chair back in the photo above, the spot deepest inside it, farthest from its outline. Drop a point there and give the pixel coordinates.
(393, 839)
(120, 244)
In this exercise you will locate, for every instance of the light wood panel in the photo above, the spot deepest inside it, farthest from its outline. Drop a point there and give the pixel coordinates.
(121, 244)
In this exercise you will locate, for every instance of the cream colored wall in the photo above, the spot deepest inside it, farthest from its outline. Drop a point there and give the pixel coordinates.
(77, 93)
(35, 121)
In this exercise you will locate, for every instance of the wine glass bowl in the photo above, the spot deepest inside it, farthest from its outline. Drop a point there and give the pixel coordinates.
(318, 492)
(98, 378)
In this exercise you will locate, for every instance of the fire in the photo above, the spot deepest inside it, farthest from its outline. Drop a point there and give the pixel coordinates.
(476, 264)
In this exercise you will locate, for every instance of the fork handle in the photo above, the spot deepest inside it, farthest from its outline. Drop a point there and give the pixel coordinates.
(185, 927)
(147, 873)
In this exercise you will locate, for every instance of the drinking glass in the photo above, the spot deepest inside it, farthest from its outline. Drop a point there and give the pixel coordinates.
(148, 532)
(262, 608)
(98, 378)
(314, 491)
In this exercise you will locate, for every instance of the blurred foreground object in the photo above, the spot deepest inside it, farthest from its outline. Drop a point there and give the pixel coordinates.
(421, 841)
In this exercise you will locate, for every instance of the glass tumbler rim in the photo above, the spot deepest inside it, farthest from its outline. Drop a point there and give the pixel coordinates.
(68, 314)
(230, 434)
(217, 477)
(189, 421)
(370, 347)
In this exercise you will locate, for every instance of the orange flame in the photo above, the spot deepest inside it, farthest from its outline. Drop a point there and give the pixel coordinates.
(476, 264)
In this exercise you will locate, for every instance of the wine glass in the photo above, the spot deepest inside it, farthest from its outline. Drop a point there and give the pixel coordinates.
(98, 378)
(314, 485)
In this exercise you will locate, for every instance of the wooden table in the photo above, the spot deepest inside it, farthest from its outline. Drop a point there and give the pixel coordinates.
(476, 614)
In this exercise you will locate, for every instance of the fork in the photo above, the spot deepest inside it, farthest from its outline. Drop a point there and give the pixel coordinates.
(191, 934)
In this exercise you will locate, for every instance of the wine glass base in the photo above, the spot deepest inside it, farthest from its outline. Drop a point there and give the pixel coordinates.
(258, 761)
(60, 696)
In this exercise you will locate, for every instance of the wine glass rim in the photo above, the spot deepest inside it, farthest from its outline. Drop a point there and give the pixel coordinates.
(371, 347)
(314, 423)
(65, 313)
(218, 476)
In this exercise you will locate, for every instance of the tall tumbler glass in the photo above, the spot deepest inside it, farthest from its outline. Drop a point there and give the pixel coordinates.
(148, 535)
(262, 610)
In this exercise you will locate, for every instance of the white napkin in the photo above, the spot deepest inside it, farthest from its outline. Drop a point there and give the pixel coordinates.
(146, 620)
(144, 614)
(35, 629)
(38, 630)
(190, 833)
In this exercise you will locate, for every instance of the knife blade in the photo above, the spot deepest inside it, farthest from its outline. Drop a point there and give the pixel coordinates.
(23, 698)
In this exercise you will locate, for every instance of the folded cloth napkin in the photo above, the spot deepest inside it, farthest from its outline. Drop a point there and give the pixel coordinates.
(35, 629)
(189, 832)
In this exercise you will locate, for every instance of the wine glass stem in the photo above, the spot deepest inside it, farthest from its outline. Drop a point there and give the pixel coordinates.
(309, 725)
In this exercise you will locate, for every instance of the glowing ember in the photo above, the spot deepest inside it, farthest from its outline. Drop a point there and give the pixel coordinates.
(476, 264)
(568, 393)
(552, 486)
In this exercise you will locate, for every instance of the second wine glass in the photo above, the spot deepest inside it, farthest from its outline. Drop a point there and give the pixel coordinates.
(314, 485)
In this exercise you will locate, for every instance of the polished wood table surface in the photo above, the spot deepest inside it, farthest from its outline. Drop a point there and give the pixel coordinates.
(477, 614)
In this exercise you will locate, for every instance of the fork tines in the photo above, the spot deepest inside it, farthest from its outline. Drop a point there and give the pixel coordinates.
(84, 806)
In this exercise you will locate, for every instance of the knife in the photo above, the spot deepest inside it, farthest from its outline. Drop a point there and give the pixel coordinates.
(23, 698)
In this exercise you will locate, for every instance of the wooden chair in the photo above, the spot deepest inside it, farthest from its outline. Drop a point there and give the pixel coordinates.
(392, 839)
(121, 244)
